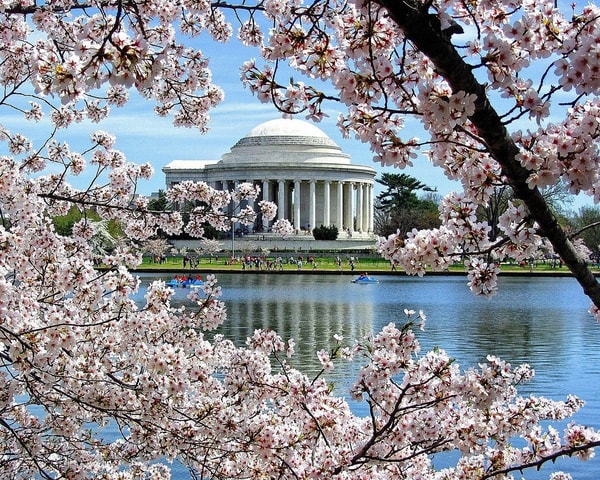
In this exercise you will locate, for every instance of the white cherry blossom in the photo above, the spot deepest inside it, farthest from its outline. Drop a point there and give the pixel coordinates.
(78, 353)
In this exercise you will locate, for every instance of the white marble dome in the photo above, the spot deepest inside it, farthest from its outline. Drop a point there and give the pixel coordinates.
(286, 127)
(289, 141)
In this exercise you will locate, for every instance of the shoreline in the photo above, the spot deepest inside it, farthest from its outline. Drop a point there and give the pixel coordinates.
(357, 271)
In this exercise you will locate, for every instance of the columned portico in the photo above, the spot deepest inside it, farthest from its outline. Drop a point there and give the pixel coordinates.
(312, 201)
(300, 169)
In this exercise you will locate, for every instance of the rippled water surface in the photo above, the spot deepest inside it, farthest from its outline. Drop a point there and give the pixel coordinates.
(541, 321)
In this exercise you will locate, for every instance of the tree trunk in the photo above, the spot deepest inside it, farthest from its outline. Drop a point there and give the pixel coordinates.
(415, 21)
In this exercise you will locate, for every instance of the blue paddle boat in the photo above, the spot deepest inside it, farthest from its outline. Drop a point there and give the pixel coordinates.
(185, 282)
(365, 278)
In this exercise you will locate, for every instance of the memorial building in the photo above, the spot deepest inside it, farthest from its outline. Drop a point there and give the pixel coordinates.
(299, 168)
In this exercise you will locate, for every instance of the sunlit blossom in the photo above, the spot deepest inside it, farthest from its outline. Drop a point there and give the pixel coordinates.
(79, 347)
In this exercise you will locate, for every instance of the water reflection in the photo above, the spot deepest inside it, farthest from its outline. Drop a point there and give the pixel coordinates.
(542, 322)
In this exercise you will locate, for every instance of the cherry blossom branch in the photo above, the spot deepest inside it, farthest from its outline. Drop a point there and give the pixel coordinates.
(537, 464)
(418, 28)
(20, 9)
(25, 446)
(583, 229)
(81, 348)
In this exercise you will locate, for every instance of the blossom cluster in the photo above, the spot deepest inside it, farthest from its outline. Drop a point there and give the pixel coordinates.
(462, 235)
(98, 357)
(536, 60)
(282, 227)
(79, 352)
(567, 150)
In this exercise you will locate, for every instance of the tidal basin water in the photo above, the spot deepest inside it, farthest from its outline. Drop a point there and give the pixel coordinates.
(540, 321)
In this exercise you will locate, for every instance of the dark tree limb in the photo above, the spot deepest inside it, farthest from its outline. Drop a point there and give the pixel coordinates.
(567, 451)
(427, 36)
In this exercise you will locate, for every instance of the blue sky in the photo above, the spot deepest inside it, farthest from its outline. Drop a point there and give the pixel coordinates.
(144, 137)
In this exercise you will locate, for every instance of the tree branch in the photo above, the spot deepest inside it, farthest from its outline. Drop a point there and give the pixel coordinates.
(583, 229)
(567, 452)
(428, 38)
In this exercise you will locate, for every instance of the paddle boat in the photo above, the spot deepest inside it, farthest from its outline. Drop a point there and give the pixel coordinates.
(184, 282)
(365, 278)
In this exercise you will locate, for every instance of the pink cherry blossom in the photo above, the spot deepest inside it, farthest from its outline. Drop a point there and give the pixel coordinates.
(78, 353)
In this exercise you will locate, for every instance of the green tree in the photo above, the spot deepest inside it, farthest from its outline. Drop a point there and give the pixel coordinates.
(107, 233)
(400, 191)
(556, 196)
(325, 233)
(63, 224)
(399, 208)
(585, 224)
(159, 203)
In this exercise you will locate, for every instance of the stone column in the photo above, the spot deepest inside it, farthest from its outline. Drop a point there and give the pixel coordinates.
(266, 196)
(281, 200)
(368, 208)
(312, 206)
(250, 203)
(340, 207)
(297, 223)
(359, 207)
(225, 188)
(349, 207)
(326, 204)
(371, 207)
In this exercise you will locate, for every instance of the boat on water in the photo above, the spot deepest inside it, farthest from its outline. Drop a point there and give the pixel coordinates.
(185, 282)
(365, 278)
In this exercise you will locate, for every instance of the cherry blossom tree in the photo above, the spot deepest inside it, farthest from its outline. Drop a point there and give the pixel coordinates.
(209, 247)
(79, 355)
(157, 247)
(464, 73)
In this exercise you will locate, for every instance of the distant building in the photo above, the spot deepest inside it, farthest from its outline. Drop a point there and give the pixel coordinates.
(299, 168)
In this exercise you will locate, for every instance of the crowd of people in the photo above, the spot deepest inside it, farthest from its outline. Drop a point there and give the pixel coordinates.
(261, 262)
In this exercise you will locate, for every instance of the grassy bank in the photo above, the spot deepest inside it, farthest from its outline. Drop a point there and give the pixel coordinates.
(327, 263)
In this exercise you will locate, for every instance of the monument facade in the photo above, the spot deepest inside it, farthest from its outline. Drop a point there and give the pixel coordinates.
(299, 168)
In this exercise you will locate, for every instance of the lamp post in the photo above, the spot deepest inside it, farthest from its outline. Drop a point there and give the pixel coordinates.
(232, 241)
